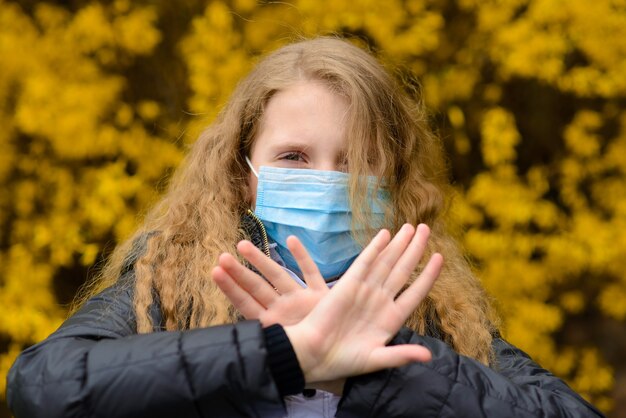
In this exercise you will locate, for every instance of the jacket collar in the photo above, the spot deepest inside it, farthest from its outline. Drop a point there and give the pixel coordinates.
(253, 226)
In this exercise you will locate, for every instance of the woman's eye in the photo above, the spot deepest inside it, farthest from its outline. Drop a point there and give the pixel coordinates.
(293, 156)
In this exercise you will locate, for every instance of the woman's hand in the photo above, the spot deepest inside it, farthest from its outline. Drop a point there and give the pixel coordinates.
(346, 332)
(282, 300)
(343, 334)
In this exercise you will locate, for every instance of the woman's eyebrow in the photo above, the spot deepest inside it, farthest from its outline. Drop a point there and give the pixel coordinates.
(291, 143)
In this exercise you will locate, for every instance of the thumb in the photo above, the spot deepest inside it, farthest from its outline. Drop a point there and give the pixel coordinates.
(397, 356)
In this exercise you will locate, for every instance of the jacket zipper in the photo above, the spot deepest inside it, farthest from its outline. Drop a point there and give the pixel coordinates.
(266, 244)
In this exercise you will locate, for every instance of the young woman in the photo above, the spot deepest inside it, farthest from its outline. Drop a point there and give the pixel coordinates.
(311, 167)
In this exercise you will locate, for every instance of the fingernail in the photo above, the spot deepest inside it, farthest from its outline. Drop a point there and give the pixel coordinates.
(422, 226)
(380, 233)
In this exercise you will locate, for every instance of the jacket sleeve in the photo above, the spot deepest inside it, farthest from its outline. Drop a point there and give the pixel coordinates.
(95, 365)
(452, 385)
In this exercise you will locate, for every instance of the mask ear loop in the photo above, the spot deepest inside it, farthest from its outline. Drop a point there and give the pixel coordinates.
(251, 167)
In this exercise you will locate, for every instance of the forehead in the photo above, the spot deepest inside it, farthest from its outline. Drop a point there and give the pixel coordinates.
(308, 114)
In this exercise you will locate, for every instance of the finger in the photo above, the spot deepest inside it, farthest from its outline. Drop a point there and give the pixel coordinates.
(397, 356)
(388, 258)
(417, 291)
(248, 280)
(274, 273)
(409, 260)
(249, 307)
(311, 273)
(361, 265)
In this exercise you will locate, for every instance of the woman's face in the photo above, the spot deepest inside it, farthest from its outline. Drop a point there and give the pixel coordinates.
(303, 127)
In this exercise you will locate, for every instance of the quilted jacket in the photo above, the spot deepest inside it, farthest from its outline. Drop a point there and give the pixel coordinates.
(96, 365)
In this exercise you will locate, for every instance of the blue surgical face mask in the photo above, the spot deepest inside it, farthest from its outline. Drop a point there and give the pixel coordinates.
(313, 205)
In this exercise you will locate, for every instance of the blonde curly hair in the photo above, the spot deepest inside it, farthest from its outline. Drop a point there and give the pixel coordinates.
(200, 215)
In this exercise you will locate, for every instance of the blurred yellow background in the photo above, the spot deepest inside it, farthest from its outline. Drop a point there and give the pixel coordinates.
(99, 100)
